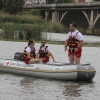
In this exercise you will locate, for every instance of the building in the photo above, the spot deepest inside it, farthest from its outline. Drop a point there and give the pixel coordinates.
(42, 1)
(45, 1)
(29, 2)
(85, 0)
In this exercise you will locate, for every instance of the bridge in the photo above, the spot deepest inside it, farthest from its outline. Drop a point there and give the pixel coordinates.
(86, 15)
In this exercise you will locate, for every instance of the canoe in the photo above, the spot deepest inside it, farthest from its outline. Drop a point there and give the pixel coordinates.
(61, 71)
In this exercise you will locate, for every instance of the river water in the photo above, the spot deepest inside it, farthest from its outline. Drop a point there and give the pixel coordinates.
(20, 87)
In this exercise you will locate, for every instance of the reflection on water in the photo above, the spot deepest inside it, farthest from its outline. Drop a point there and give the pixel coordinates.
(72, 90)
(26, 81)
(27, 85)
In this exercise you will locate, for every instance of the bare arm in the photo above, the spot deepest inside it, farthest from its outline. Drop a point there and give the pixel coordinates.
(28, 55)
(52, 57)
(80, 43)
(66, 44)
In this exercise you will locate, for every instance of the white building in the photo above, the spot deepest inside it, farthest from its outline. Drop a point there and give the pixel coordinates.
(42, 1)
(29, 2)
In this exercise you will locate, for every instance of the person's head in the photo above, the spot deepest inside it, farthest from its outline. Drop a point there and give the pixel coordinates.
(31, 42)
(43, 42)
(72, 26)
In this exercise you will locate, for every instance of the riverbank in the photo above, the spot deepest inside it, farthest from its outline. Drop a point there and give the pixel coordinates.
(86, 44)
(59, 38)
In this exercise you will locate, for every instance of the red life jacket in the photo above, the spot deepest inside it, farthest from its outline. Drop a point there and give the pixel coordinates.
(73, 42)
(43, 53)
(32, 52)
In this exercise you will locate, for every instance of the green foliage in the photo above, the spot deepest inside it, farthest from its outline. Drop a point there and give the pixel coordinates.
(32, 31)
(13, 6)
(29, 19)
(35, 12)
(55, 27)
(33, 26)
(1, 4)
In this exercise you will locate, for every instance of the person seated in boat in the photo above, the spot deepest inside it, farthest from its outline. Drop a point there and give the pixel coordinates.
(30, 53)
(44, 53)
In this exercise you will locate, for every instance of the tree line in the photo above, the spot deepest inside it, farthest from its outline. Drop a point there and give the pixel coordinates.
(15, 6)
(11, 6)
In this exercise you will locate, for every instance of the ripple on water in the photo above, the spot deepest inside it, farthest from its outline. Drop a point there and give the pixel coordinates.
(16, 87)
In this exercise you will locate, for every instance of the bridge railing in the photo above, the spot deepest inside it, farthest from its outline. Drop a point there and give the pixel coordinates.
(95, 3)
(73, 4)
(38, 6)
(62, 5)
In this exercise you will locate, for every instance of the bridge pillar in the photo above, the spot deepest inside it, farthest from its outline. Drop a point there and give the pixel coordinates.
(55, 16)
(46, 15)
(90, 28)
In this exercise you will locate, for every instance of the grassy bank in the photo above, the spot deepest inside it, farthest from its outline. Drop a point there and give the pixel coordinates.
(27, 25)
(53, 42)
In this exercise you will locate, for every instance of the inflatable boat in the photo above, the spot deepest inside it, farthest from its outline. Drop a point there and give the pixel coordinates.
(62, 71)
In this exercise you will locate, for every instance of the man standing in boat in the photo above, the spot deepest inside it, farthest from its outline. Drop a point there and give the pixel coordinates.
(74, 41)
(44, 53)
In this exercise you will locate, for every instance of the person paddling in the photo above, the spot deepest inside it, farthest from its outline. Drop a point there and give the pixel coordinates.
(74, 41)
(44, 53)
(29, 53)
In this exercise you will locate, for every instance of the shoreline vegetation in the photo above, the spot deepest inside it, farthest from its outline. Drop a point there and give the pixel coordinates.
(26, 25)
(53, 42)
(29, 24)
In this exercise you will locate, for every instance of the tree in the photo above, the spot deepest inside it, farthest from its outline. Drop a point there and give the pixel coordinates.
(1, 4)
(35, 12)
(13, 6)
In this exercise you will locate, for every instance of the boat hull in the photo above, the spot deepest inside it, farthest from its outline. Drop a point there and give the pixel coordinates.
(62, 71)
